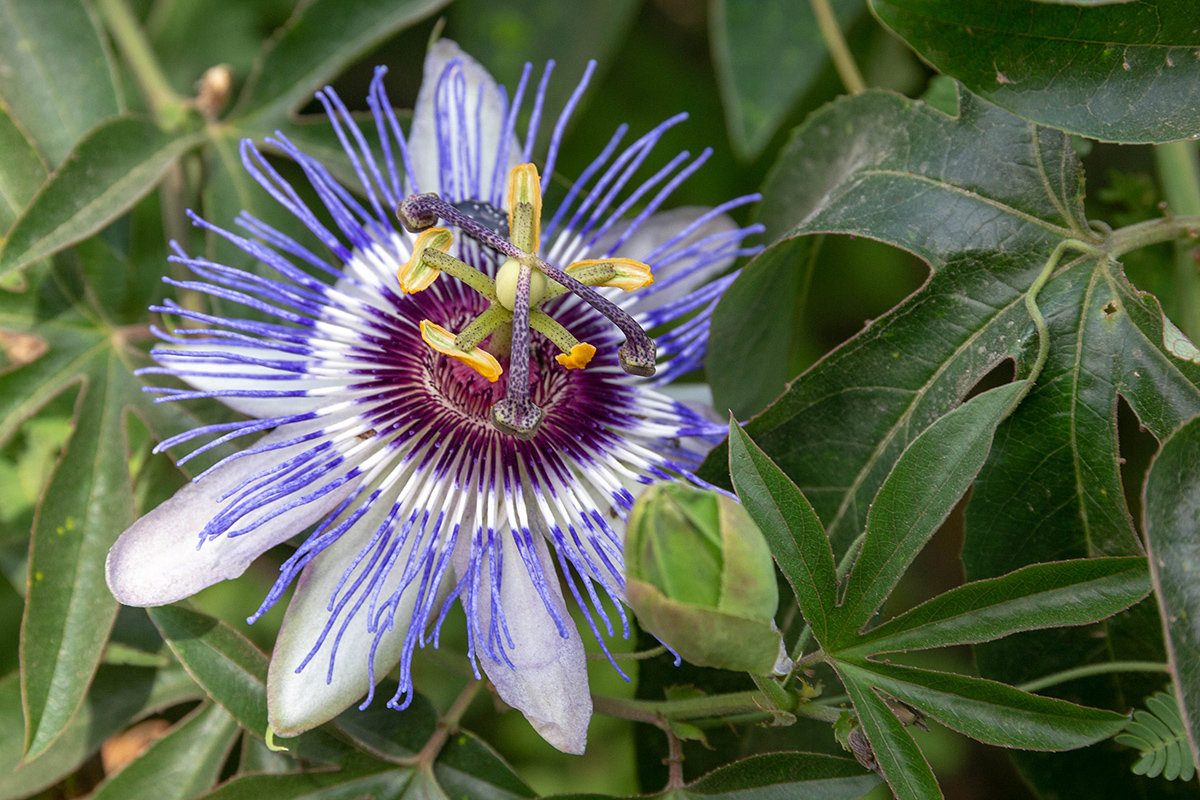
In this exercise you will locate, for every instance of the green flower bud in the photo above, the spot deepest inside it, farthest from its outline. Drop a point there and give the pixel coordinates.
(699, 576)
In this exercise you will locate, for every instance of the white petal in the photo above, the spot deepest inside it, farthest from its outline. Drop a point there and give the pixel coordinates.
(191, 371)
(650, 235)
(156, 562)
(549, 684)
(484, 139)
(297, 702)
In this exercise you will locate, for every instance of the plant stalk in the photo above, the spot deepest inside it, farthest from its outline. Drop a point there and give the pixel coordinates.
(169, 108)
(1089, 670)
(1179, 176)
(448, 724)
(843, 60)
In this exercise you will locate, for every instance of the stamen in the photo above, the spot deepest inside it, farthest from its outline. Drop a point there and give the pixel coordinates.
(626, 273)
(544, 324)
(418, 272)
(476, 358)
(525, 207)
(482, 327)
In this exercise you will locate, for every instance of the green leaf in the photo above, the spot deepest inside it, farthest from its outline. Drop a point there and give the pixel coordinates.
(767, 55)
(812, 776)
(1160, 735)
(389, 734)
(809, 775)
(905, 768)
(1039, 596)
(991, 712)
(754, 321)
(1118, 73)
(88, 502)
(321, 39)
(184, 763)
(1172, 517)
(108, 171)
(927, 482)
(89, 499)
(358, 778)
(118, 697)
(58, 79)
(469, 767)
(949, 190)
(985, 198)
(22, 171)
(790, 526)
(234, 674)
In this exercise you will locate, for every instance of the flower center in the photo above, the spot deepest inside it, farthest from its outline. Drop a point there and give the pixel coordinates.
(515, 298)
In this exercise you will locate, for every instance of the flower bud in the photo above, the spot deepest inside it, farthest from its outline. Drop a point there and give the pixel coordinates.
(699, 576)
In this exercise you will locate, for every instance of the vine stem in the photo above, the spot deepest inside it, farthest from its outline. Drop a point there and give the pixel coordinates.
(447, 725)
(168, 107)
(720, 705)
(1179, 175)
(674, 760)
(843, 60)
(1035, 313)
(1144, 234)
(1089, 670)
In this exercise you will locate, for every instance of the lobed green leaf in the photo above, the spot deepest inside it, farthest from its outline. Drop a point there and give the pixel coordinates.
(753, 322)
(900, 760)
(993, 713)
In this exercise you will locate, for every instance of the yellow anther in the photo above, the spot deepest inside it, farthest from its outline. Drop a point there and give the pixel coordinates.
(629, 275)
(416, 273)
(525, 188)
(476, 358)
(578, 358)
